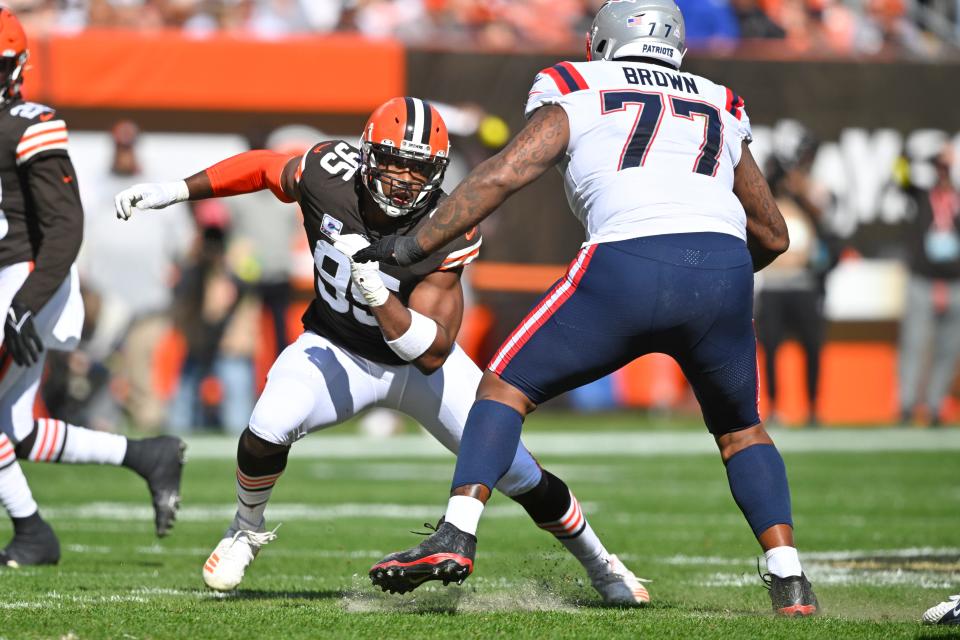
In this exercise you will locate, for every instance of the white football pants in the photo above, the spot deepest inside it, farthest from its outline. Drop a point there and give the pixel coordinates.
(59, 324)
(314, 384)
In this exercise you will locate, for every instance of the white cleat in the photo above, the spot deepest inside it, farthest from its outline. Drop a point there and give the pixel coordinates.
(224, 569)
(618, 585)
(944, 613)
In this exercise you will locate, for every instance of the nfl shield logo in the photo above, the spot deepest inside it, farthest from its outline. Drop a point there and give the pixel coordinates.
(331, 226)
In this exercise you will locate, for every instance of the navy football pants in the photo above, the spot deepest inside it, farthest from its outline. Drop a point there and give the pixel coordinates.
(689, 296)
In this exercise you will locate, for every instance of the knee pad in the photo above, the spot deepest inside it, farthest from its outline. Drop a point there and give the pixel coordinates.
(281, 411)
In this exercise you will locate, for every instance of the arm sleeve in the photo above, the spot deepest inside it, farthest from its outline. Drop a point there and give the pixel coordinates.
(52, 184)
(248, 172)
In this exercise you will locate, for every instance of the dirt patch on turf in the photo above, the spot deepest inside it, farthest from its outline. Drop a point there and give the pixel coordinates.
(475, 597)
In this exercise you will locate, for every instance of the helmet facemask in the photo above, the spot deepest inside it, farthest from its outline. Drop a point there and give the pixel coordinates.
(400, 180)
(11, 75)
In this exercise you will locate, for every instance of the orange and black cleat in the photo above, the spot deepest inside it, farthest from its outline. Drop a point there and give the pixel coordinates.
(791, 597)
(446, 555)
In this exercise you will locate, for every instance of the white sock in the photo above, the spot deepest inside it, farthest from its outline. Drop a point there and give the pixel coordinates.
(783, 562)
(253, 493)
(15, 493)
(58, 441)
(575, 533)
(464, 512)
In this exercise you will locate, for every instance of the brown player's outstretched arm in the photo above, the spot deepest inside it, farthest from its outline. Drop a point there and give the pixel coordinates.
(248, 172)
(439, 297)
(243, 173)
(536, 148)
(767, 234)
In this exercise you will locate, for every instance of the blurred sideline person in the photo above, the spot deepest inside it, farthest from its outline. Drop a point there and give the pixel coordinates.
(262, 233)
(219, 318)
(947, 612)
(931, 316)
(135, 304)
(372, 337)
(40, 296)
(678, 217)
(790, 301)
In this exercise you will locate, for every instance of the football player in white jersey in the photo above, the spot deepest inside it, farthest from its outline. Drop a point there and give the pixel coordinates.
(657, 167)
(372, 336)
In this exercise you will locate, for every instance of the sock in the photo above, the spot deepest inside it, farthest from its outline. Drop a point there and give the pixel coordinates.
(463, 512)
(489, 444)
(783, 562)
(256, 477)
(57, 441)
(758, 481)
(15, 495)
(556, 510)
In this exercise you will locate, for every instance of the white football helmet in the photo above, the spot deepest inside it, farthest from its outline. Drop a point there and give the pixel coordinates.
(638, 28)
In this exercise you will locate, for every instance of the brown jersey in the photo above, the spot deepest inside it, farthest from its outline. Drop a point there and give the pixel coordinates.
(41, 218)
(330, 197)
(28, 132)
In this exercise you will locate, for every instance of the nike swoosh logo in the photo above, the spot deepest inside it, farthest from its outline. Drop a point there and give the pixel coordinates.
(470, 234)
(45, 117)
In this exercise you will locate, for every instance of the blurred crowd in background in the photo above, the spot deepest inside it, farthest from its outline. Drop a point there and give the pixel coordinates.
(914, 28)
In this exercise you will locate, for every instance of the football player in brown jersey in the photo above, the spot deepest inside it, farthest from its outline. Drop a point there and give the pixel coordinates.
(374, 335)
(41, 227)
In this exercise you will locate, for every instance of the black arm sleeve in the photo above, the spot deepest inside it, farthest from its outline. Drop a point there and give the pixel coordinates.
(55, 200)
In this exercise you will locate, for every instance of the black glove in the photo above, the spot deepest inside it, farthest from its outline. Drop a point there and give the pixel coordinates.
(20, 336)
(401, 251)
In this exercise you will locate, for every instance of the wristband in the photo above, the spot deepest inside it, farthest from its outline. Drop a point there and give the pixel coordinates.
(418, 338)
(408, 251)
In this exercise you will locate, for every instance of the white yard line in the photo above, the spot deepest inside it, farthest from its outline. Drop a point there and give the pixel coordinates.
(830, 575)
(602, 443)
(123, 511)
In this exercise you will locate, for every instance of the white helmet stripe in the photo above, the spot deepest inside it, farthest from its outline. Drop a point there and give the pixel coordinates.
(417, 119)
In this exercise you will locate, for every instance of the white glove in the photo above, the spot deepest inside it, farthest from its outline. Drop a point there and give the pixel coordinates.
(365, 275)
(150, 195)
(349, 243)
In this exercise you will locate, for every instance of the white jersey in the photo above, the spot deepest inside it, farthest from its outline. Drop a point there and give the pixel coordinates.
(652, 151)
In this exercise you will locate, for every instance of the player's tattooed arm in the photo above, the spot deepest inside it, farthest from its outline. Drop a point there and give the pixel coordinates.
(539, 146)
(767, 234)
(439, 297)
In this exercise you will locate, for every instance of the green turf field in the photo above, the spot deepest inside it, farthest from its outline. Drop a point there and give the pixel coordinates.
(879, 531)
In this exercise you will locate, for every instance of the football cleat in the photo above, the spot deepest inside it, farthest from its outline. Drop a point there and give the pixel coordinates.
(792, 596)
(163, 471)
(446, 555)
(618, 585)
(944, 613)
(33, 545)
(224, 569)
